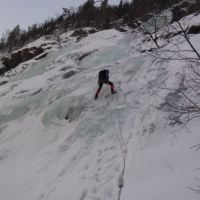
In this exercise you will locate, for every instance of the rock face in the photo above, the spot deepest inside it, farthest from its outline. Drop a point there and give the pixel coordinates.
(81, 33)
(21, 56)
(18, 57)
(195, 29)
(185, 8)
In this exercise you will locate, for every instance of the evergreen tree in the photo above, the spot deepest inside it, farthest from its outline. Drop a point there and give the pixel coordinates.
(86, 13)
(14, 38)
(104, 14)
(2, 44)
(102, 17)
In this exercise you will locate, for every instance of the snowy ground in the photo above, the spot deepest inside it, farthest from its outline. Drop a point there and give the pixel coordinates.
(43, 156)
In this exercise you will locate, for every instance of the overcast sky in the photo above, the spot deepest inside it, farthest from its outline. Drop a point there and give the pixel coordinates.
(28, 12)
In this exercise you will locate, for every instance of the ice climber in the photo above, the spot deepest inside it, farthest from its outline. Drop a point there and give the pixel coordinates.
(104, 79)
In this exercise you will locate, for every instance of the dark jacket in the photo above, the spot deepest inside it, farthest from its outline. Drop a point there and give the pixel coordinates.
(104, 75)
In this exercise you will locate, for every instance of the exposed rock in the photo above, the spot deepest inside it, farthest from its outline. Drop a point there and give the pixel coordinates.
(183, 9)
(20, 56)
(46, 45)
(41, 56)
(195, 29)
(195, 7)
(3, 82)
(90, 31)
(74, 113)
(36, 92)
(2, 71)
(171, 34)
(68, 74)
(149, 50)
(78, 57)
(134, 25)
(81, 33)
(85, 55)
(66, 68)
(121, 29)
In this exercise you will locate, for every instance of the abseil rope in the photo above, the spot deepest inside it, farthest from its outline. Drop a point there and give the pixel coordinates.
(123, 151)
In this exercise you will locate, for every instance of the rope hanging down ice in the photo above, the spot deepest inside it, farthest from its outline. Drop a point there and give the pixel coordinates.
(123, 149)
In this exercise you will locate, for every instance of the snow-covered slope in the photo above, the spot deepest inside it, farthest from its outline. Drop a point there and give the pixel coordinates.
(43, 156)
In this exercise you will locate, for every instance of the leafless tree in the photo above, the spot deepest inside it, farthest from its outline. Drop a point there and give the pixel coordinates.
(183, 102)
(151, 28)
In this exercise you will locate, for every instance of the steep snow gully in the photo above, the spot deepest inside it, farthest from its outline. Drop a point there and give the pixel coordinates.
(57, 143)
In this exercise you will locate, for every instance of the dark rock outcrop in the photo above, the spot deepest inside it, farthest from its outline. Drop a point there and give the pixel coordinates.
(121, 29)
(183, 9)
(41, 56)
(3, 82)
(68, 74)
(2, 71)
(18, 57)
(81, 33)
(171, 34)
(195, 29)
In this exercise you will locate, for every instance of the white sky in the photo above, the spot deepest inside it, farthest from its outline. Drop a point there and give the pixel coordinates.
(28, 12)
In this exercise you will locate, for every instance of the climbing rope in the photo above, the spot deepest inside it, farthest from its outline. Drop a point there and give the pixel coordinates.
(124, 153)
(119, 139)
(123, 149)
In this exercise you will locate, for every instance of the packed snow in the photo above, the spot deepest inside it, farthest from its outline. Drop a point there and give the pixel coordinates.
(58, 143)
